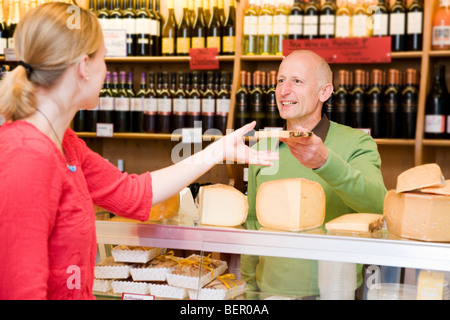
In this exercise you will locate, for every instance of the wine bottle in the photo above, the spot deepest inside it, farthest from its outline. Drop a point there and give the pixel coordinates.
(256, 102)
(241, 110)
(79, 121)
(129, 24)
(207, 11)
(3, 31)
(251, 29)
(122, 106)
(143, 26)
(92, 118)
(328, 106)
(441, 27)
(159, 25)
(295, 29)
(164, 105)
(102, 14)
(437, 102)
(199, 27)
(115, 17)
(229, 30)
(380, 19)
(280, 27)
(414, 27)
(360, 20)
(184, 32)
(409, 103)
(357, 101)
(208, 103)
(137, 105)
(341, 99)
(222, 104)
(273, 119)
(150, 105)
(179, 104)
(214, 31)
(397, 21)
(311, 20)
(327, 20)
(194, 113)
(221, 11)
(106, 112)
(374, 104)
(169, 32)
(191, 12)
(265, 29)
(391, 106)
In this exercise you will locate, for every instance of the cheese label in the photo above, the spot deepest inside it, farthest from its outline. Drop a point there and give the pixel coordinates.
(430, 285)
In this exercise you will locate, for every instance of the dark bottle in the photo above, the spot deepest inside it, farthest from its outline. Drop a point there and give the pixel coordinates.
(380, 19)
(341, 99)
(241, 109)
(357, 101)
(103, 14)
(143, 25)
(208, 103)
(164, 105)
(409, 102)
(391, 106)
(214, 31)
(257, 112)
(311, 20)
(199, 28)
(222, 104)
(229, 31)
(179, 104)
(129, 24)
(158, 27)
(184, 32)
(92, 118)
(437, 102)
(375, 103)
(414, 28)
(3, 34)
(295, 28)
(327, 20)
(397, 23)
(153, 31)
(122, 106)
(194, 107)
(106, 112)
(150, 105)
(137, 106)
(169, 32)
(115, 16)
(273, 119)
(328, 105)
(79, 121)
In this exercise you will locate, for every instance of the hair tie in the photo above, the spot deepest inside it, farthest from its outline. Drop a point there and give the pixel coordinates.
(27, 67)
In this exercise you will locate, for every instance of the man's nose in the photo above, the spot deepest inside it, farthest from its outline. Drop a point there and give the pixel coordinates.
(284, 88)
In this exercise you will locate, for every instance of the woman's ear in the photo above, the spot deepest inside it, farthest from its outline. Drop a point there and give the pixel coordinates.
(83, 69)
(325, 92)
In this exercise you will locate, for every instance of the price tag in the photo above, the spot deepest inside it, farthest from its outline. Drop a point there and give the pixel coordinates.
(135, 296)
(115, 42)
(191, 135)
(204, 58)
(105, 130)
(10, 55)
(351, 50)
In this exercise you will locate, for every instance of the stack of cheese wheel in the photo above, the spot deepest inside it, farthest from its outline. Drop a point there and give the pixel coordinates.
(419, 208)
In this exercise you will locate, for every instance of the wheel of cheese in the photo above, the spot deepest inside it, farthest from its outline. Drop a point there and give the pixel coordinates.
(444, 190)
(426, 175)
(359, 222)
(292, 204)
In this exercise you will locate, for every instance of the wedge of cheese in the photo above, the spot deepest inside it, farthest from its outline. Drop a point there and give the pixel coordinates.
(281, 134)
(427, 175)
(359, 222)
(418, 216)
(222, 205)
(292, 204)
(444, 190)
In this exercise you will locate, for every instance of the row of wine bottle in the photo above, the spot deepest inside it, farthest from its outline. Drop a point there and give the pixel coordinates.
(192, 99)
(267, 22)
(150, 34)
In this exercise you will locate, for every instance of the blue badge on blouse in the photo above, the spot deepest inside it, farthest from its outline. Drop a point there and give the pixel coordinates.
(72, 168)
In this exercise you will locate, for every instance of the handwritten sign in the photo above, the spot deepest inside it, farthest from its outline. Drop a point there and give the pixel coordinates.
(204, 59)
(351, 50)
(115, 42)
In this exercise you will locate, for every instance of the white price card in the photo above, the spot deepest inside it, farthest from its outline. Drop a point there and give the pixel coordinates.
(115, 42)
(191, 135)
(135, 296)
(105, 130)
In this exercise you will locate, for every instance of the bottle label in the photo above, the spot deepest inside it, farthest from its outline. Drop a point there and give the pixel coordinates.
(311, 25)
(137, 104)
(143, 25)
(183, 45)
(198, 42)
(164, 106)
(250, 25)
(168, 45)
(129, 25)
(229, 44)
(434, 123)
(213, 42)
(154, 28)
(414, 22)
(380, 24)
(265, 25)
(105, 23)
(441, 35)
(295, 25)
(397, 23)
(342, 26)
(359, 25)
(3, 45)
(223, 107)
(122, 104)
(208, 107)
(179, 106)
(280, 24)
(194, 106)
(115, 24)
(448, 124)
(150, 106)
(327, 25)
(106, 103)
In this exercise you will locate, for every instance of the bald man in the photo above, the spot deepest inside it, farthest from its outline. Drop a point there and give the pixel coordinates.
(343, 160)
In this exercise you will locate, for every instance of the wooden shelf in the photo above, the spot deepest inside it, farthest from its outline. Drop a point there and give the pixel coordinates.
(437, 143)
(158, 59)
(148, 136)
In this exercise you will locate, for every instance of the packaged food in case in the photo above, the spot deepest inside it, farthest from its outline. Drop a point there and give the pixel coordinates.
(156, 269)
(135, 254)
(224, 287)
(110, 269)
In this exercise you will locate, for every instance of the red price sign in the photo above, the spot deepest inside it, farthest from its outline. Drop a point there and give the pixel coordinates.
(204, 59)
(352, 50)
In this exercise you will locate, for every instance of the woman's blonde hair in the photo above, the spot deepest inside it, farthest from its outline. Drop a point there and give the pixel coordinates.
(49, 39)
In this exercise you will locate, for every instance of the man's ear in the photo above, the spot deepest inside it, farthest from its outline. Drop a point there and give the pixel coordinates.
(325, 92)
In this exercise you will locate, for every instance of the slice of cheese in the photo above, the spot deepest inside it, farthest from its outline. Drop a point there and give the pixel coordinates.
(359, 222)
(444, 190)
(222, 205)
(281, 134)
(418, 216)
(187, 203)
(292, 204)
(427, 175)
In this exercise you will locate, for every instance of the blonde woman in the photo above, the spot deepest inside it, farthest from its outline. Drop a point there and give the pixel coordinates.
(50, 179)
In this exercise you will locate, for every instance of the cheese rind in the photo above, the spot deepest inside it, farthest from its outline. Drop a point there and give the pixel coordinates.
(222, 205)
(427, 175)
(444, 190)
(418, 216)
(359, 222)
(292, 204)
